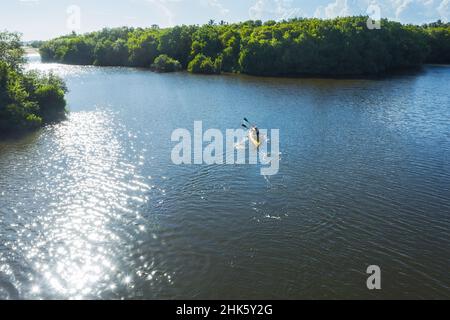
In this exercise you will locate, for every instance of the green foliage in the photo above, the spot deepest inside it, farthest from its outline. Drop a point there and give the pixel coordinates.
(108, 53)
(143, 48)
(51, 101)
(33, 121)
(71, 50)
(231, 42)
(27, 100)
(177, 43)
(206, 41)
(164, 63)
(36, 44)
(438, 37)
(335, 47)
(204, 64)
(11, 51)
(15, 107)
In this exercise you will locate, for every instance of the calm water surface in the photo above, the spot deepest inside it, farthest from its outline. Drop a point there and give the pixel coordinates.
(94, 208)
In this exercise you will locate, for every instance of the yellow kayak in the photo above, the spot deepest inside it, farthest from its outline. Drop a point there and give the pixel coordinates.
(252, 137)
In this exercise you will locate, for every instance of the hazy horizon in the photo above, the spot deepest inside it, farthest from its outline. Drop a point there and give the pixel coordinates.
(45, 19)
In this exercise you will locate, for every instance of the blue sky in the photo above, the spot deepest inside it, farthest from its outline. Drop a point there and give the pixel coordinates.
(44, 19)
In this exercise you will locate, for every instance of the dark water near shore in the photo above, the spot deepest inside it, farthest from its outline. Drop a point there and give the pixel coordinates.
(94, 208)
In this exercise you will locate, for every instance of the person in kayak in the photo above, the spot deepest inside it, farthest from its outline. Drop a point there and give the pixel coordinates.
(252, 129)
(257, 133)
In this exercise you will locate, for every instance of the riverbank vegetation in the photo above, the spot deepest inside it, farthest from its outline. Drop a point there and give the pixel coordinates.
(337, 47)
(28, 100)
(164, 63)
(438, 38)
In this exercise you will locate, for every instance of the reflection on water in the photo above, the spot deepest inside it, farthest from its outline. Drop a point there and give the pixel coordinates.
(34, 63)
(94, 208)
(91, 197)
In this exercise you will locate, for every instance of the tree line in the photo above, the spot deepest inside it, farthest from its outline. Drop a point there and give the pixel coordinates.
(28, 100)
(336, 47)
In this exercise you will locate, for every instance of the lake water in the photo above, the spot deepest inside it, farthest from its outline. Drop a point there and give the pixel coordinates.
(93, 207)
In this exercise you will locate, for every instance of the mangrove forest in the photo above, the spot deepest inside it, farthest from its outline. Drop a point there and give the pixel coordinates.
(334, 47)
(28, 100)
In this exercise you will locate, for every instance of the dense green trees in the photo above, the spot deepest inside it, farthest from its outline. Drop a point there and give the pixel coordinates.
(204, 64)
(27, 99)
(439, 42)
(177, 43)
(11, 51)
(71, 49)
(337, 47)
(164, 63)
(36, 44)
(143, 47)
(109, 53)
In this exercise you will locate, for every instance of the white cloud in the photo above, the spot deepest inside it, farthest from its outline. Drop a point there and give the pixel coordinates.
(274, 9)
(29, 2)
(162, 6)
(415, 11)
(408, 11)
(339, 8)
(444, 10)
(165, 7)
(402, 7)
(219, 6)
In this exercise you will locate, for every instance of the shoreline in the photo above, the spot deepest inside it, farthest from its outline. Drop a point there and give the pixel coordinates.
(393, 73)
(30, 50)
